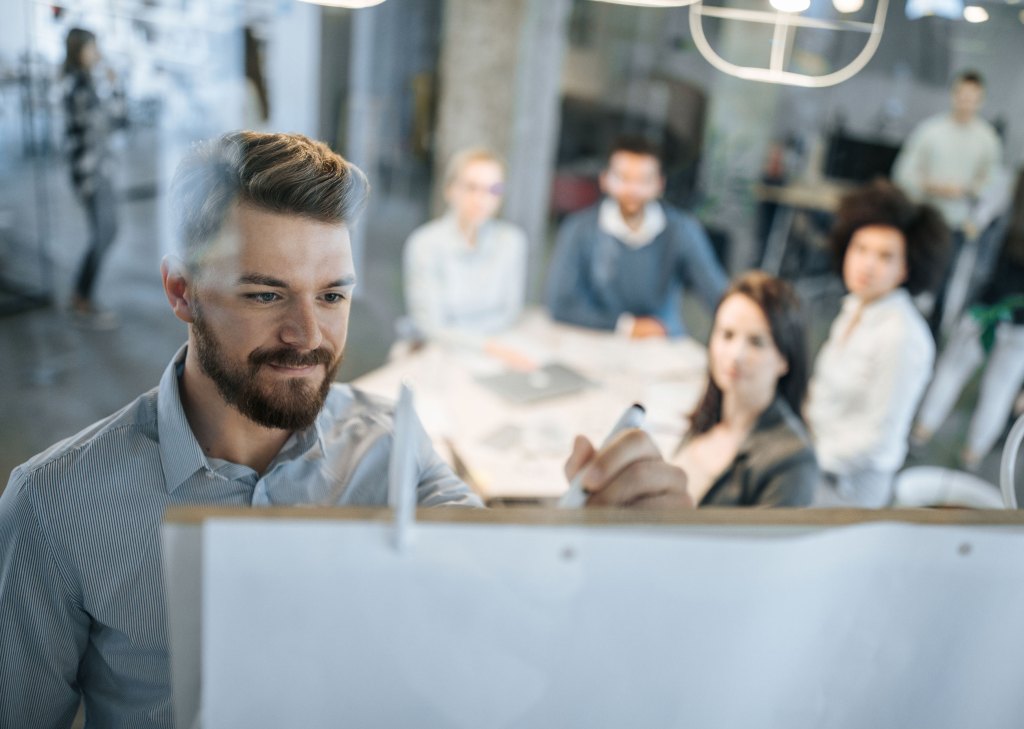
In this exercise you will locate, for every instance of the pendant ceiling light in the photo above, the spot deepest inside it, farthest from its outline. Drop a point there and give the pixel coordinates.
(784, 16)
(790, 6)
(650, 3)
(354, 4)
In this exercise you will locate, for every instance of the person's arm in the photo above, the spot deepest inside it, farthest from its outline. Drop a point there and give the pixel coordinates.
(791, 483)
(990, 189)
(438, 485)
(43, 629)
(899, 371)
(698, 266)
(424, 287)
(629, 471)
(513, 279)
(569, 290)
(910, 171)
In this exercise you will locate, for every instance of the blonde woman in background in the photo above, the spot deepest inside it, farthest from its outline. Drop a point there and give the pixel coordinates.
(465, 272)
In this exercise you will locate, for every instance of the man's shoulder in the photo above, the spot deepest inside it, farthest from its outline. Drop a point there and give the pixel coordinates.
(677, 216)
(581, 218)
(95, 447)
(433, 232)
(346, 403)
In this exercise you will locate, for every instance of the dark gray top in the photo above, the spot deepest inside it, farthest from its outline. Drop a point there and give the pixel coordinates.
(775, 465)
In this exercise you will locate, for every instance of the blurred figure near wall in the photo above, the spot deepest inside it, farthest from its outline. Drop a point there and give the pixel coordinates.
(92, 113)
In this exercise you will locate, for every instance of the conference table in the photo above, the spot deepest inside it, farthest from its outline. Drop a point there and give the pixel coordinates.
(513, 451)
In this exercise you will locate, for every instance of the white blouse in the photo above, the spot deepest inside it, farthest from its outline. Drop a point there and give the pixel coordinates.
(867, 384)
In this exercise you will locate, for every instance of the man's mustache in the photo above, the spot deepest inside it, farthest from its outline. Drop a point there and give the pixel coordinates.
(288, 357)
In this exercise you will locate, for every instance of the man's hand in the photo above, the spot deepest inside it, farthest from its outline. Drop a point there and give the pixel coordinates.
(629, 471)
(512, 358)
(647, 326)
(945, 190)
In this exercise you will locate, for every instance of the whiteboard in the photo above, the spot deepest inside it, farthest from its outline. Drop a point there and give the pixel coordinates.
(324, 623)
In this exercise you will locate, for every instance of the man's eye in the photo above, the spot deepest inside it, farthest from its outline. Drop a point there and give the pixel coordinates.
(334, 298)
(263, 297)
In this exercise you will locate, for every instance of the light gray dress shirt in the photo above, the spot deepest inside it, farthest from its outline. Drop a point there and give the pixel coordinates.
(457, 293)
(81, 598)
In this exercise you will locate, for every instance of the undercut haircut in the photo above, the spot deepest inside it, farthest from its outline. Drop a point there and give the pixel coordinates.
(926, 237)
(279, 173)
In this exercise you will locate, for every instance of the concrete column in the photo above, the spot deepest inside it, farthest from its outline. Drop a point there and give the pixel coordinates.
(500, 74)
(736, 139)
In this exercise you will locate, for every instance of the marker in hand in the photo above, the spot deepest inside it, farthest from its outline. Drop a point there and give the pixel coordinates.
(576, 496)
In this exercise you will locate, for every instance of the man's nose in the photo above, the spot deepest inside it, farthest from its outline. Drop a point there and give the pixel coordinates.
(301, 329)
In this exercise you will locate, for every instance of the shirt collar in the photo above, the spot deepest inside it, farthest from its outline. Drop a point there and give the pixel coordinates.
(895, 299)
(610, 221)
(180, 452)
(459, 240)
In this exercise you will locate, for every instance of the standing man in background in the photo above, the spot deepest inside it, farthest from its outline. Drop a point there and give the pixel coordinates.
(622, 263)
(947, 162)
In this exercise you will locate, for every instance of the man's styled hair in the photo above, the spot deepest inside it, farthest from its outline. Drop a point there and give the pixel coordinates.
(970, 76)
(925, 235)
(635, 144)
(279, 173)
(465, 157)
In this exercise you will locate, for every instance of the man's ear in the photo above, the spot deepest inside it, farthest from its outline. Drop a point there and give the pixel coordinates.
(175, 276)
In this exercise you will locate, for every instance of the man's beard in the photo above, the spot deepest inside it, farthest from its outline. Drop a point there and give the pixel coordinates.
(291, 404)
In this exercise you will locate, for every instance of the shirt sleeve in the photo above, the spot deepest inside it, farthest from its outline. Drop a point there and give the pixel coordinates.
(987, 164)
(568, 295)
(438, 485)
(910, 170)
(698, 266)
(43, 630)
(421, 283)
(515, 279)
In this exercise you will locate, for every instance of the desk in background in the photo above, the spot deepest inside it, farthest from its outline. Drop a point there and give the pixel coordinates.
(512, 451)
(820, 196)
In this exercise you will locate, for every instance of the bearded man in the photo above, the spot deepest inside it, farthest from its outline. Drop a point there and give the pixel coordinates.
(246, 413)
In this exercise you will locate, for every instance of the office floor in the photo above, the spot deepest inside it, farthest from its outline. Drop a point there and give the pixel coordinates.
(58, 378)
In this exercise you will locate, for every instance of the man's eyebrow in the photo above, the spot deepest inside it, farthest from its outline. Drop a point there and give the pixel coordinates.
(262, 280)
(342, 283)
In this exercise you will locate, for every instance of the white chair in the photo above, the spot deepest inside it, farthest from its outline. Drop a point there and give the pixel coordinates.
(929, 486)
(1008, 465)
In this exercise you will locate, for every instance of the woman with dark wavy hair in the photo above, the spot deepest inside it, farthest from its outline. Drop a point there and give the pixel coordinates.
(877, 360)
(747, 445)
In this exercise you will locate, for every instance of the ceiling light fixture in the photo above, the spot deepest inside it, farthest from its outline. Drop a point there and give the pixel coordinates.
(650, 3)
(790, 6)
(786, 25)
(975, 14)
(353, 4)
(847, 6)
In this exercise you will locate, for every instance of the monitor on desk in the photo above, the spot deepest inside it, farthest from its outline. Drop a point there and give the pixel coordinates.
(858, 160)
